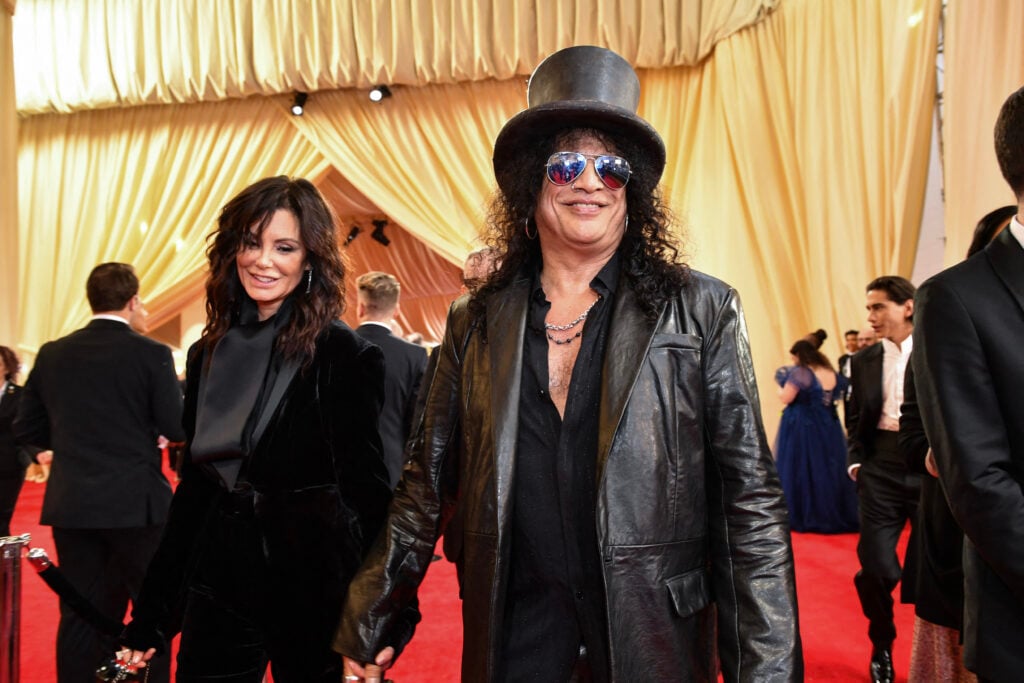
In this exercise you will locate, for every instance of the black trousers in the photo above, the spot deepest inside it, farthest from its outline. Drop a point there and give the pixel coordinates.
(10, 487)
(889, 496)
(233, 624)
(107, 567)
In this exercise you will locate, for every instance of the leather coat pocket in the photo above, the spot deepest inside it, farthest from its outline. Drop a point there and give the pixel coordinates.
(690, 592)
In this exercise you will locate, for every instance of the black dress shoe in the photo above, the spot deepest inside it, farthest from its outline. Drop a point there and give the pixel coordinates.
(881, 665)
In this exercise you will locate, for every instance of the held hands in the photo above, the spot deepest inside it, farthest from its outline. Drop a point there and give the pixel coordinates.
(371, 673)
(125, 665)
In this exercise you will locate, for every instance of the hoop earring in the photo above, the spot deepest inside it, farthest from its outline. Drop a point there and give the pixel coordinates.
(309, 280)
(526, 229)
(625, 227)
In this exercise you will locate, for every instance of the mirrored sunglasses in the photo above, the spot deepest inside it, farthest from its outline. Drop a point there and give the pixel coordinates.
(565, 167)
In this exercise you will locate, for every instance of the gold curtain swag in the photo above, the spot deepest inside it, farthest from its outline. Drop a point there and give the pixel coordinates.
(75, 55)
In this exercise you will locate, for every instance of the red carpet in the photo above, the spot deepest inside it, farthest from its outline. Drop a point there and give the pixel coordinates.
(834, 630)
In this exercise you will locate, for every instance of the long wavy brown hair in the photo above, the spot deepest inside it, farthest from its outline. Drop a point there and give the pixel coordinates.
(651, 256)
(251, 210)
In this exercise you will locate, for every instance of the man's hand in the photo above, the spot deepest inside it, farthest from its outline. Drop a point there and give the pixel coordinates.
(371, 673)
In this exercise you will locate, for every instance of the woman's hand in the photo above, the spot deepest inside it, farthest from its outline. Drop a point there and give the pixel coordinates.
(371, 673)
(137, 657)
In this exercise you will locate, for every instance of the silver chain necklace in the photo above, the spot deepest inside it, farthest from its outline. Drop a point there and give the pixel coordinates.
(574, 323)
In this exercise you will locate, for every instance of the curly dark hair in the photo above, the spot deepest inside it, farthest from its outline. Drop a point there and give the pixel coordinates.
(1009, 141)
(11, 363)
(651, 257)
(251, 210)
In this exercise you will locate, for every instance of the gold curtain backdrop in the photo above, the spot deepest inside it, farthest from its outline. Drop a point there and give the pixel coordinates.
(797, 155)
(76, 55)
(984, 63)
(8, 182)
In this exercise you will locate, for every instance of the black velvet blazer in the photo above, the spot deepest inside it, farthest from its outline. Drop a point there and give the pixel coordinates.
(321, 489)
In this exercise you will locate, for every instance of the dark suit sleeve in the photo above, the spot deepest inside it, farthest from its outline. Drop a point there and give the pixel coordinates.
(912, 439)
(965, 424)
(419, 370)
(854, 445)
(32, 424)
(166, 396)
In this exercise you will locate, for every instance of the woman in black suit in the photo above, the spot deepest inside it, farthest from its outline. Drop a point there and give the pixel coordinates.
(13, 461)
(283, 485)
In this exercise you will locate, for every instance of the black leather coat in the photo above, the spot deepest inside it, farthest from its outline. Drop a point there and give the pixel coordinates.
(690, 515)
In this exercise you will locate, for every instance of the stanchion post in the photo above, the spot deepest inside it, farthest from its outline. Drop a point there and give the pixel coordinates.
(11, 550)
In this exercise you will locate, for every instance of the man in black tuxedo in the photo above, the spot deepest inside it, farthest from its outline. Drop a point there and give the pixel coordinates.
(969, 368)
(100, 398)
(887, 490)
(843, 366)
(850, 342)
(404, 364)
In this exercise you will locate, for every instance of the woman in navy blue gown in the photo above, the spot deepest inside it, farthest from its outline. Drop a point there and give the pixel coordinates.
(810, 448)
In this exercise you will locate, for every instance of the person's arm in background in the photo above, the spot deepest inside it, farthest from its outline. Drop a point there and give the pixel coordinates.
(32, 423)
(854, 446)
(912, 439)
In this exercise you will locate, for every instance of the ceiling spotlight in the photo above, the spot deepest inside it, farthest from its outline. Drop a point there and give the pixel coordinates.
(299, 103)
(378, 232)
(352, 234)
(379, 92)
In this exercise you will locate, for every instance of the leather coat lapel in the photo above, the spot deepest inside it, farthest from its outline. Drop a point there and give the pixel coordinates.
(1007, 258)
(506, 325)
(629, 338)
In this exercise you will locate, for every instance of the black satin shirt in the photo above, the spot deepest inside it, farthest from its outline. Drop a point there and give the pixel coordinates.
(556, 601)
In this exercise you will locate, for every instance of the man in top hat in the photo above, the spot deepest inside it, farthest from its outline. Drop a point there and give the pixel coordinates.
(594, 423)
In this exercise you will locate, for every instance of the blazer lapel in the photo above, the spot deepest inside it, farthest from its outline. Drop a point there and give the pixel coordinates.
(1007, 259)
(506, 325)
(629, 337)
(281, 382)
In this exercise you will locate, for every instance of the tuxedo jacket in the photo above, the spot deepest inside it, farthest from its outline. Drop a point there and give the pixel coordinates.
(404, 365)
(969, 368)
(864, 407)
(99, 398)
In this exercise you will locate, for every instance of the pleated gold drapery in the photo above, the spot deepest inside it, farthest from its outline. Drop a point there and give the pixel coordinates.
(87, 55)
(797, 155)
(9, 279)
(798, 158)
(984, 63)
(141, 185)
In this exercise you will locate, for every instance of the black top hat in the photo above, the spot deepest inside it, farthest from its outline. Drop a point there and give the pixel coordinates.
(578, 87)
